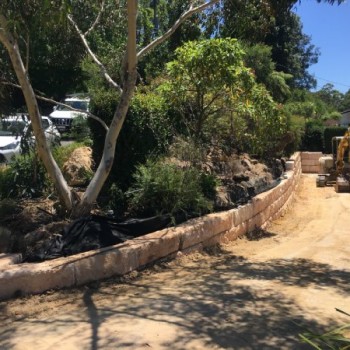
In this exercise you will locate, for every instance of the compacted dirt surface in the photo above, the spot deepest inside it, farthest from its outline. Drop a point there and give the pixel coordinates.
(259, 292)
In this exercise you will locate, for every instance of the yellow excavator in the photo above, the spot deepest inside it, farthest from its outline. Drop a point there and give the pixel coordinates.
(336, 169)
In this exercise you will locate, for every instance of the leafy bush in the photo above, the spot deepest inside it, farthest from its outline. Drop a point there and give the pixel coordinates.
(187, 150)
(313, 137)
(161, 188)
(5, 182)
(146, 132)
(296, 125)
(207, 79)
(24, 177)
(80, 129)
(116, 200)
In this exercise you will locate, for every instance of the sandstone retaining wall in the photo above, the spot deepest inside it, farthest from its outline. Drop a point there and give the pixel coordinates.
(123, 258)
(310, 162)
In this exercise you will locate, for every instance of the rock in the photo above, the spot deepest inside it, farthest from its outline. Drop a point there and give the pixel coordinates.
(238, 194)
(222, 199)
(240, 177)
(78, 167)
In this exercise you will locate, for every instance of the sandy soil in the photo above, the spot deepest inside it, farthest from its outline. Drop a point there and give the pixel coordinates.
(256, 293)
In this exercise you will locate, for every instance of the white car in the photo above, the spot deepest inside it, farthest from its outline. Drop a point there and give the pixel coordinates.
(11, 131)
(14, 132)
(52, 135)
(62, 116)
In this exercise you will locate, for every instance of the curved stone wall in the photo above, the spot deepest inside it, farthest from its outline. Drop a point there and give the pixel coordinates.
(123, 258)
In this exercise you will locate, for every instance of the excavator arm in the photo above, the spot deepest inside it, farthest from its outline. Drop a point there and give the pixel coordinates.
(343, 145)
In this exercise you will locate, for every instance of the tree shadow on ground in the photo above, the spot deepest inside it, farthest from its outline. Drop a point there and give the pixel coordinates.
(219, 301)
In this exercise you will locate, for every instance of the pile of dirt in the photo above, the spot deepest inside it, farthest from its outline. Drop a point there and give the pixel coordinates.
(79, 165)
(243, 177)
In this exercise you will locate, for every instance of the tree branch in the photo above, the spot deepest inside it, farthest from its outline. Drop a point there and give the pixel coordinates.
(46, 99)
(192, 10)
(94, 57)
(96, 20)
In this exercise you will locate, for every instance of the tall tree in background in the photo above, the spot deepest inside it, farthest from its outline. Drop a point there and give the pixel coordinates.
(292, 50)
(273, 23)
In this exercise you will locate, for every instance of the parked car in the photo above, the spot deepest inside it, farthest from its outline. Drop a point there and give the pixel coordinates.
(15, 133)
(62, 116)
(52, 135)
(11, 131)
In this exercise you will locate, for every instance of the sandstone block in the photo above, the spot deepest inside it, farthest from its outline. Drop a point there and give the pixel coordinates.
(201, 229)
(35, 278)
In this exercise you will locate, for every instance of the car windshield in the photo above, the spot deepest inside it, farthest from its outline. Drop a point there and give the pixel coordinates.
(11, 127)
(83, 105)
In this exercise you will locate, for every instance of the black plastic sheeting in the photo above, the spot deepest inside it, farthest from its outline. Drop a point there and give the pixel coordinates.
(94, 232)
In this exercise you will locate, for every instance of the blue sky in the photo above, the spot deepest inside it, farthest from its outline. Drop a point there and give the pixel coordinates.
(329, 28)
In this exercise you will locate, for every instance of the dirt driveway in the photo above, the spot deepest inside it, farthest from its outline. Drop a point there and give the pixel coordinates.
(251, 294)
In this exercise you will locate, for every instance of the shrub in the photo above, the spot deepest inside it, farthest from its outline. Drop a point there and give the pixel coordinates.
(116, 200)
(162, 188)
(146, 132)
(187, 150)
(296, 126)
(5, 181)
(25, 177)
(80, 130)
(313, 137)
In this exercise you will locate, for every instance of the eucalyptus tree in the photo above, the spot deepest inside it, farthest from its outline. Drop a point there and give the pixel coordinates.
(273, 23)
(15, 16)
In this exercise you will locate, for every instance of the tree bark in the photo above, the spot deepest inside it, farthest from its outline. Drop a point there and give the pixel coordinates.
(43, 149)
(106, 163)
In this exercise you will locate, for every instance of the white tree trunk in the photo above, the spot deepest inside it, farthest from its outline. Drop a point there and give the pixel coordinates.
(44, 152)
(106, 163)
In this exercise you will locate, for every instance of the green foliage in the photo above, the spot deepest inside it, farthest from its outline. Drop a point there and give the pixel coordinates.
(185, 149)
(274, 24)
(80, 129)
(266, 124)
(305, 109)
(116, 200)
(25, 177)
(334, 339)
(330, 96)
(313, 138)
(296, 125)
(219, 100)
(5, 182)
(259, 59)
(248, 20)
(345, 104)
(146, 131)
(329, 133)
(162, 188)
(48, 45)
(205, 80)
(292, 50)
(332, 116)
